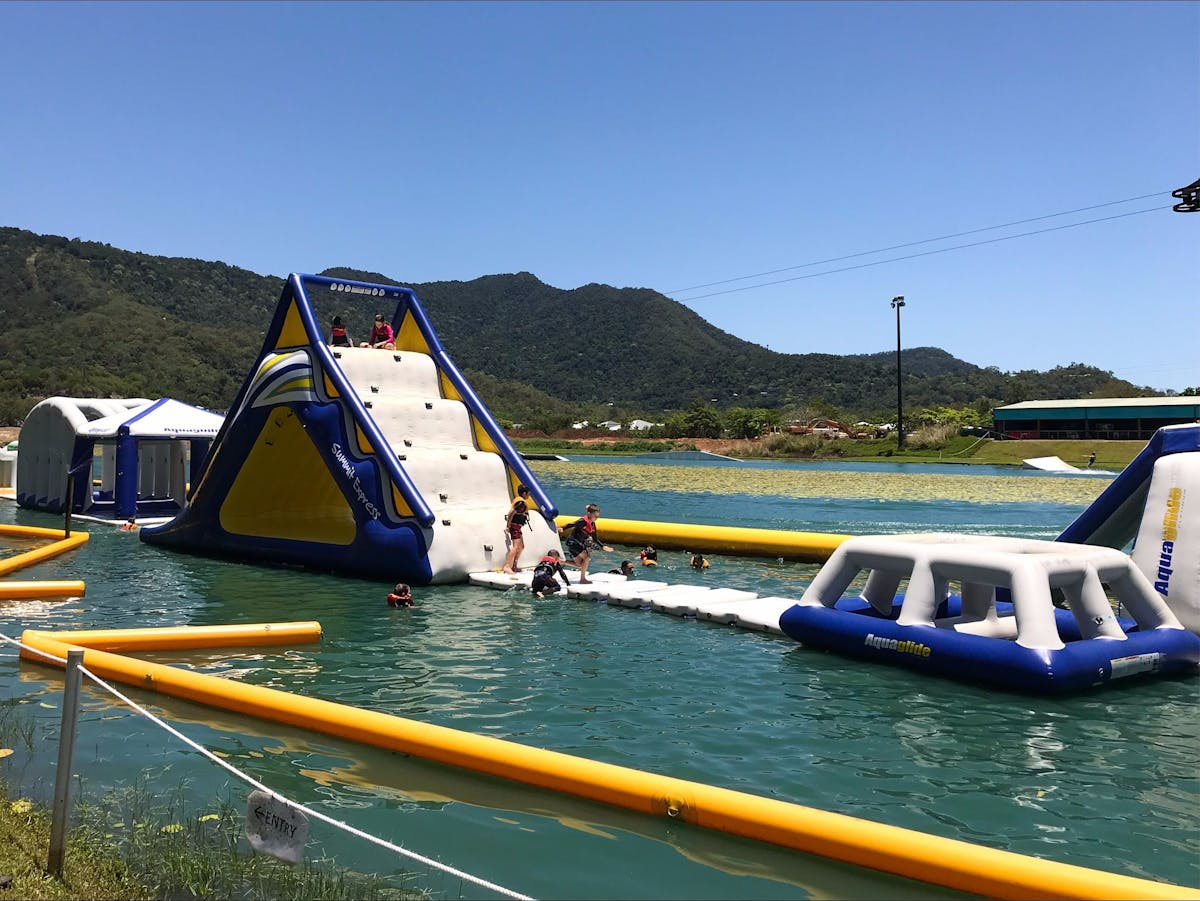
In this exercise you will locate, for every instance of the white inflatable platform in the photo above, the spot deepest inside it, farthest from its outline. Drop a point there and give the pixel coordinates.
(731, 606)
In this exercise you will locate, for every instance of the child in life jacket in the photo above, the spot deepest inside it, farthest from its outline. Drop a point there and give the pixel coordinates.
(337, 333)
(544, 582)
(401, 596)
(648, 555)
(515, 521)
(580, 538)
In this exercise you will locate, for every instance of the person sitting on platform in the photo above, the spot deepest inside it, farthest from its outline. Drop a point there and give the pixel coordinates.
(544, 582)
(338, 337)
(381, 335)
(401, 596)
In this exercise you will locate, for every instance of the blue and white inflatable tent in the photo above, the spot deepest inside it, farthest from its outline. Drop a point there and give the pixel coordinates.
(112, 459)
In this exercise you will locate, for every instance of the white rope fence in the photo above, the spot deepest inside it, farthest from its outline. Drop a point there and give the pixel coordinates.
(251, 781)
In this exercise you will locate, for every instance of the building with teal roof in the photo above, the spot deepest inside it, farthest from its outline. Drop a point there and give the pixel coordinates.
(1093, 418)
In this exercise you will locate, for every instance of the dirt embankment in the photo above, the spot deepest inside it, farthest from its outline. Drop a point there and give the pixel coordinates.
(590, 437)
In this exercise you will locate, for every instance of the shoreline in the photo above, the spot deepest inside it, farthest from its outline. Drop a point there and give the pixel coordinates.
(1111, 456)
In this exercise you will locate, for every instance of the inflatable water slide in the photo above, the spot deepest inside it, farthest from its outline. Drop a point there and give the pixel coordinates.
(370, 462)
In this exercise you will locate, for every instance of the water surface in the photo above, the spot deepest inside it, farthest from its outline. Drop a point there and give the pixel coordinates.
(1105, 780)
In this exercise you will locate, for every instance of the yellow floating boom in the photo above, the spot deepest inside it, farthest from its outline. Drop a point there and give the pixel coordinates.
(810, 547)
(932, 859)
(14, 590)
(60, 544)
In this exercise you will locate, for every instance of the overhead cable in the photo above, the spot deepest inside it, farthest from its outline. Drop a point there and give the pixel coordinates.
(864, 253)
(925, 253)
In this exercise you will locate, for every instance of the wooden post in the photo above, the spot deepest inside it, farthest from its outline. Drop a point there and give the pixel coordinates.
(70, 503)
(66, 752)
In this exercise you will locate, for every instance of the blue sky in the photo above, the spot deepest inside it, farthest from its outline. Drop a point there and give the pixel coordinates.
(660, 145)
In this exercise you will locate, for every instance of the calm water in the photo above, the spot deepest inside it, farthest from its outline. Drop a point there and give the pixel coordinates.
(1105, 780)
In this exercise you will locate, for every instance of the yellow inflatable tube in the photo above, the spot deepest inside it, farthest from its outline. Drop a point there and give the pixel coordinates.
(32, 532)
(181, 638)
(811, 547)
(60, 545)
(12, 590)
(958, 865)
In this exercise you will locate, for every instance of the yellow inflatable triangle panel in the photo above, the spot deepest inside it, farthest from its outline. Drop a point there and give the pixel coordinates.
(284, 489)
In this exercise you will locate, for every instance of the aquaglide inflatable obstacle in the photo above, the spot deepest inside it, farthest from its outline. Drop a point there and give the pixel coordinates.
(371, 462)
(1002, 625)
(385, 463)
(1024, 643)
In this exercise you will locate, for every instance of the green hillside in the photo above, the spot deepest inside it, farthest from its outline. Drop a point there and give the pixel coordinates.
(87, 319)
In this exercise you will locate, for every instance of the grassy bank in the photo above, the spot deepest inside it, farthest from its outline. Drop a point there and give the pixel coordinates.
(1110, 455)
(90, 871)
(119, 850)
(1113, 455)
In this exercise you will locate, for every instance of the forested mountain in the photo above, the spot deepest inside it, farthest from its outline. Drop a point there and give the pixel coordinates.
(87, 319)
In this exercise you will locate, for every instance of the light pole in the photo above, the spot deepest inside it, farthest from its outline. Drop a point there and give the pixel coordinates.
(897, 303)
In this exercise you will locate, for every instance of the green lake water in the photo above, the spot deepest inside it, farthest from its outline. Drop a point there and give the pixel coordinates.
(1105, 780)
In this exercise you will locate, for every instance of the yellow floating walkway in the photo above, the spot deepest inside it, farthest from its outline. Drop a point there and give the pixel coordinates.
(809, 547)
(932, 859)
(60, 544)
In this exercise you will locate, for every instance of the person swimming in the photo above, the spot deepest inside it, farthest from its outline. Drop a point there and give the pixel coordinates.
(401, 596)
(648, 555)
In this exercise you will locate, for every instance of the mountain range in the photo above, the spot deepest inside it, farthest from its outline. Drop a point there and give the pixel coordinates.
(87, 319)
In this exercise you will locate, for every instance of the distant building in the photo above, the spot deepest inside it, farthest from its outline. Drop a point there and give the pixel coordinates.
(1128, 418)
(611, 424)
(641, 425)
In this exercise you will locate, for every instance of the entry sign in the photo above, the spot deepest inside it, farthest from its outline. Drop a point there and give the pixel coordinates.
(275, 827)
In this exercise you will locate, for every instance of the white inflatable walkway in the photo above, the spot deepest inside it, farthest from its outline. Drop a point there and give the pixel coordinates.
(732, 606)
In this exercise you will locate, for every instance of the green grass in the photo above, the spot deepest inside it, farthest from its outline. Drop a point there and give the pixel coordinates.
(926, 447)
(133, 843)
(1114, 455)
(89, 871)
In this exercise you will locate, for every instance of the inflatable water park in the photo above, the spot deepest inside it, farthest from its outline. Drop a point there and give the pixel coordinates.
(385, 463)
